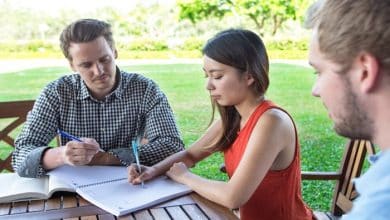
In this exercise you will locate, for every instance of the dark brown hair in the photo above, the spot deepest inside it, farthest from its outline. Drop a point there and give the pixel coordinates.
(245, 51)
(85, 30)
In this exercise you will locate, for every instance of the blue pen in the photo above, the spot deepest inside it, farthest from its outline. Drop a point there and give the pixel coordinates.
(71, 137)
(134, 144)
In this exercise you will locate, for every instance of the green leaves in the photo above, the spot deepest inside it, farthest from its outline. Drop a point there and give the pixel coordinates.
(272, 12)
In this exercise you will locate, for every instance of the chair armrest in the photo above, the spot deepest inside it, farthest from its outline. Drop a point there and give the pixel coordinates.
(320, 175)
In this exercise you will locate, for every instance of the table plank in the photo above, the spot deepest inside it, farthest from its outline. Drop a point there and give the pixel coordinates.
(143, 214)
(194, 212)
(69, 201)
(126, 217)
(5, 208)
(159, 213)
(177, 212)
(212, 210)
(36, 206)
(91, 217)
(19, 207)
(53, 203)
(82, 201)
(106, 217)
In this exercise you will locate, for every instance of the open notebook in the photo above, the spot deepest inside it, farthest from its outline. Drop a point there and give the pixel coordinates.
(107, 187)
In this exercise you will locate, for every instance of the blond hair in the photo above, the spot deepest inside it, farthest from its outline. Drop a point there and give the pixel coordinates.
(348, 27)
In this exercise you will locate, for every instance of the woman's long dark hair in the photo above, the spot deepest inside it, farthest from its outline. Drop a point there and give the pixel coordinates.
(245, 51)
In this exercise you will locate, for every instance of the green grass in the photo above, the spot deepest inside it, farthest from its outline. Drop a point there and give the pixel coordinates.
(184, 84)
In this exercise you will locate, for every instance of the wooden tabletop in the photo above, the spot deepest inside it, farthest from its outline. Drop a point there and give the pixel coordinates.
(71, 207)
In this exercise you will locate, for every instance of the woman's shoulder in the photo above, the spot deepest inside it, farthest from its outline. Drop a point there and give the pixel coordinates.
(276, 116)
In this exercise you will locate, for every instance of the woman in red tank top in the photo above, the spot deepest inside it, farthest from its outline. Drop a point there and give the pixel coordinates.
(258, 139)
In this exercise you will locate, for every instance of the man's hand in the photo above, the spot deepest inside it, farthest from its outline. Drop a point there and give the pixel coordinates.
(80, 153)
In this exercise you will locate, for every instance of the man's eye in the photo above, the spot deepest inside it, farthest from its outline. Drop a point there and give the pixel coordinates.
(105, 60)
(86, 66)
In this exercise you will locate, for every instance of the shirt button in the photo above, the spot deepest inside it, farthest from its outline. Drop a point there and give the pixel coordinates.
(103, 129)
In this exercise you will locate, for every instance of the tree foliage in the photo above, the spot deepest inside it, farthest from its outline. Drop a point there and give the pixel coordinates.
(273, 12)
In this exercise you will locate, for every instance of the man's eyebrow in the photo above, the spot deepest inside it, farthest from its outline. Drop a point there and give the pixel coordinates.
(83, 63)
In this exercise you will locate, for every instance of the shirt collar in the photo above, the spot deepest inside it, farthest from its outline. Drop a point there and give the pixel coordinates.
(117, 93)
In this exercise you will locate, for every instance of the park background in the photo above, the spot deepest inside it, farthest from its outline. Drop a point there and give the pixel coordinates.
(162, 40)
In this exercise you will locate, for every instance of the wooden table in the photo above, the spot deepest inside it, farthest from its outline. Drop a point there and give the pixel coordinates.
(71, 207)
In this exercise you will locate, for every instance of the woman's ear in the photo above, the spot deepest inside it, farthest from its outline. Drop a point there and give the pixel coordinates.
(249, 78)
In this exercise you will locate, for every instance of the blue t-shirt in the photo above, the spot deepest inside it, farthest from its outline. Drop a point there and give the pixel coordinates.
(374, 192)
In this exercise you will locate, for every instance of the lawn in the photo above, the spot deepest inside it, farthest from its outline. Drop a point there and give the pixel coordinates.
(184, 84)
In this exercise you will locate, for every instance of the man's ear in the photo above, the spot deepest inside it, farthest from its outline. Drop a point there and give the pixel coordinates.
(115, 53)
(369, 74)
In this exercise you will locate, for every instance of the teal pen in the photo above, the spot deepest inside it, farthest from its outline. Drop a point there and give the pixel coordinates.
(71, 137)
(134, 144)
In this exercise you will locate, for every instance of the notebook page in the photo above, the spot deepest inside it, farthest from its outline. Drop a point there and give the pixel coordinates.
(78, 176)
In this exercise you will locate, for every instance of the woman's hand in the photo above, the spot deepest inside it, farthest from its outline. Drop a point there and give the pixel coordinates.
(135, 177)
(178, 172)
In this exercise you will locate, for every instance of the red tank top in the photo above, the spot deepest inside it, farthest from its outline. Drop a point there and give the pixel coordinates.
(278, 197)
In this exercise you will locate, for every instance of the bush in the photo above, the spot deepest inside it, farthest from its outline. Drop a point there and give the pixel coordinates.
(29, 46)
(287, 44)
(192, 43)
(144, 44)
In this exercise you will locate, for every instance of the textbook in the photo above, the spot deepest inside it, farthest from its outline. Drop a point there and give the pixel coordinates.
(16, 188)
(108, 188)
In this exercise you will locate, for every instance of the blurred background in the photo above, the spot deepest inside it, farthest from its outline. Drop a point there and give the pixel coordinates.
(153, 28)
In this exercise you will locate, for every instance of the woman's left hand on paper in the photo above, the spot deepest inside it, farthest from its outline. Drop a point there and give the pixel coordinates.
(178, 172)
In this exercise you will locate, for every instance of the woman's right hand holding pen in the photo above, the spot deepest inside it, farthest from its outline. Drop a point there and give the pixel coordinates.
(147, 173)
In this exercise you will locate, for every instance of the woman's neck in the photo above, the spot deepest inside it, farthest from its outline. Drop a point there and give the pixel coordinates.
(245, 109)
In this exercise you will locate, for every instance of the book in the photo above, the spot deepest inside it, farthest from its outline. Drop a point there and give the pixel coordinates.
(108, 188)
(16, 188)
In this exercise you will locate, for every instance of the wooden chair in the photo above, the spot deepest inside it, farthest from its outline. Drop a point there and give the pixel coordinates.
(350, 168)
(9, 110)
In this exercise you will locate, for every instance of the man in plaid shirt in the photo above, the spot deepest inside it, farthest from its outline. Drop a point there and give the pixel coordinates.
(106, 107)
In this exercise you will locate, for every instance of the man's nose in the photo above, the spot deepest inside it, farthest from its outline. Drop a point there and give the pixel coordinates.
(315, 91)
(99, 69)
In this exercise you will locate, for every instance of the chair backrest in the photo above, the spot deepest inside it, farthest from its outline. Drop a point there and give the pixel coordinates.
(16, 110)
(351, 167)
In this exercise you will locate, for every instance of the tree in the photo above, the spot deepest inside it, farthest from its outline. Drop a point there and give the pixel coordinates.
(273, 12)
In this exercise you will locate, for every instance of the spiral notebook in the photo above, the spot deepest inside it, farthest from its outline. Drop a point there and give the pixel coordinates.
(107, 187)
